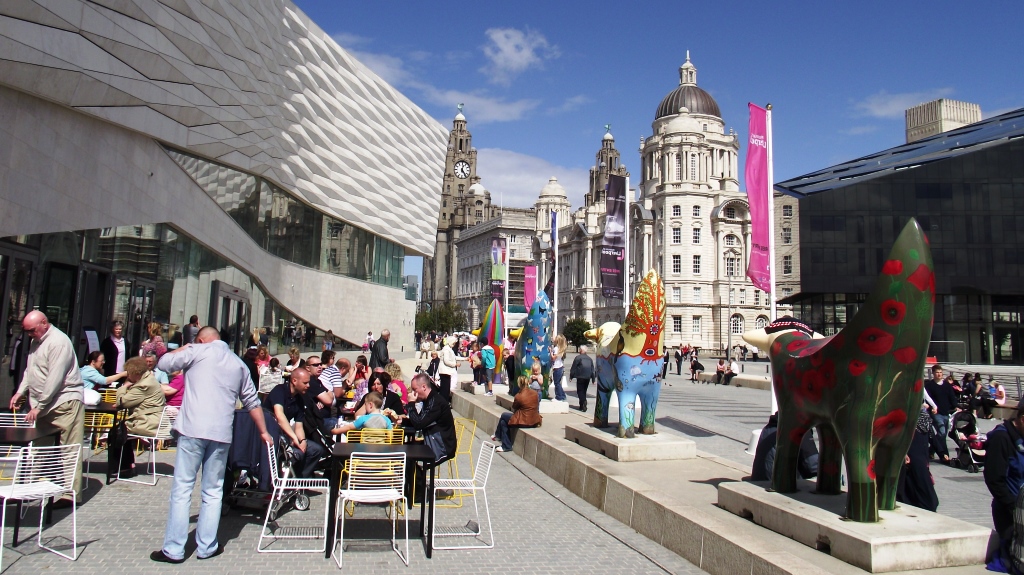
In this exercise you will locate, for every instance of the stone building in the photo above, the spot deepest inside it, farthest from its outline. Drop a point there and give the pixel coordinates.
(938, 116)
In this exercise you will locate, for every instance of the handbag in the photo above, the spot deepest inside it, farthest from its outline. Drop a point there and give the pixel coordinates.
(435, 442)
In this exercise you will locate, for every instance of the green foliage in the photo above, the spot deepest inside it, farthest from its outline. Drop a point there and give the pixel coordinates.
(574, 330)
(446, 317)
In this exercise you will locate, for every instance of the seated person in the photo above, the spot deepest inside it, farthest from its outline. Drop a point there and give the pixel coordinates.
(696, 368)
(92, 372)
(392, 402)
(720, 370)
(397, 379)
(160, 375)
(142, 396)
(287, 403)
(174, 392)
(733, 371)
(525, 413)
(372, 419)
(431, 413)
(536, 381)
(764, 455)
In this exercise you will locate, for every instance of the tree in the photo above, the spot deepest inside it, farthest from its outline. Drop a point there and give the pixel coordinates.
(447, 317)
(574, 330)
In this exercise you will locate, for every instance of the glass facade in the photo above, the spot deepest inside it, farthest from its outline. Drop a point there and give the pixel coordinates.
(286, 227)
(971, 207)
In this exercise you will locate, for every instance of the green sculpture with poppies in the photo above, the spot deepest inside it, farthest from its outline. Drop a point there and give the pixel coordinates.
(861, 388)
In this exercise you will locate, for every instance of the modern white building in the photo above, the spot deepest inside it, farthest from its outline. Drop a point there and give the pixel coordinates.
(223, 158)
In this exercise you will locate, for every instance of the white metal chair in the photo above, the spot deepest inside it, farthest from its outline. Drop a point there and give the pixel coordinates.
(478, 483)
(42, 473)
(9, 453)
(283, 484)
(373, 478)
(163, 433)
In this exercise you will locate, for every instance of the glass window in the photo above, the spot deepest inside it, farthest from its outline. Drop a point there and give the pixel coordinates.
(730, 213)
(679, 169)
(787, 211)
(786, 292)
(677, 294)
(696, 211)
(757, 297)
(677, 211)
(787, 265)
(696, 295)
(732, 295)
(743, 297)
(695, 329)
(732, 266)
(677, 264)
(696, 265)
(696, 235)
(787, 235)
(677, 324)
(761, 323)
(731, 240)
(677, 235)
(693, 166)
(736, 324)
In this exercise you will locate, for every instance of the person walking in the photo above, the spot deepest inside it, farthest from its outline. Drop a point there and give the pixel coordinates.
(582, 370)
(679, 361)
(54, 387)
(379, 351)
(946, 400)
(215, 380)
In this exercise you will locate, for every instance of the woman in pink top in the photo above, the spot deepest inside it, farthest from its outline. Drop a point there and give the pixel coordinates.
(174, 391)
(262, 357)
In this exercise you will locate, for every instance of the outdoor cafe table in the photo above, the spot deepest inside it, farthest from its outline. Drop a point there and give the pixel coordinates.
(413, 452)
(112, 409)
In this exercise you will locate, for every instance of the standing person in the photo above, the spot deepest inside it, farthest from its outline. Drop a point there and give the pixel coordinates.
(557, 365)
(379, 352)
(191, 330)
(946, 400)
(328, 341)
(582, 370)
(477, 363)
(1004, 470)
(489, 361)
(155, 343)
(666, 361)
(510, 371)
(368, 342)
(54, 387)
(448, 368)
(216, 380)
(115, 350)
(679, 361)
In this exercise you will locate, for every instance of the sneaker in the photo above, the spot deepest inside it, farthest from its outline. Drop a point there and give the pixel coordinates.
(494, 438)
(499, 448)
(489, 394)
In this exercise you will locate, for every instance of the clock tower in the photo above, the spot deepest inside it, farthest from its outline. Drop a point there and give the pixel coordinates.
(464, 203)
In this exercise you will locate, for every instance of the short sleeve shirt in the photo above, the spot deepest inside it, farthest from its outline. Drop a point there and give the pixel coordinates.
(282, 395)
(178, 383)
(372, 421)
(316, 387)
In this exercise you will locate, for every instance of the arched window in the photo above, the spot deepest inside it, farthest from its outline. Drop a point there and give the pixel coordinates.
(731, 240)
(736, 324)
(761, 323)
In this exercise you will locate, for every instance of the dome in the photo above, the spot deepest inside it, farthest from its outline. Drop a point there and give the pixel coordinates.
(460, 117)
(688, 95)
(608, 136)
(476, 189)
(552, 189)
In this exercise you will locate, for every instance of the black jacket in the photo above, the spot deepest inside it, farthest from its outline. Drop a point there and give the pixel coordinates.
(943, 395)
(582, 368)
(379, 354)
(109, 350)
(1004, 464)
(435, 412)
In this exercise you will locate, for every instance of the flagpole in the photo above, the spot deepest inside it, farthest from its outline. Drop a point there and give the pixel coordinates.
(554, 262)
(773, 313)
(626, 257)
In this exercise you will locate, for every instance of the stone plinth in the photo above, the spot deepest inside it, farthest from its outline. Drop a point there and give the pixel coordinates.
(905, 539)
(655, 447)
(470, 387)
(546, 405)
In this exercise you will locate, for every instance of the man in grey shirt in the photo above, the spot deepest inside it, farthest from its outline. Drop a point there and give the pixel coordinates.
(215, 379)
(191, 330)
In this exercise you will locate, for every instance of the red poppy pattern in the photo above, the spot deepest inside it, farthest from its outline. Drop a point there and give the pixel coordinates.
(918, 385)
(871, 470)
(857, 367)
(892, 267)
(874, 341)
(889, 424)
(922, 278)
(905, 354)
(893, 311)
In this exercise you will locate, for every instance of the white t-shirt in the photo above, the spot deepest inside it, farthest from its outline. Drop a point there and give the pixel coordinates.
(119, 344)
(556, 359)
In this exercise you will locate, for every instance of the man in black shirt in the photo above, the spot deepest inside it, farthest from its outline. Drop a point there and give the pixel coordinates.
(1004, 470)
(288, 403)
(945, 399)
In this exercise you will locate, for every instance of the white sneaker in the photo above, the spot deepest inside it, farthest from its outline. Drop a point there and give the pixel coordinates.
(499, 448)
(494, 438)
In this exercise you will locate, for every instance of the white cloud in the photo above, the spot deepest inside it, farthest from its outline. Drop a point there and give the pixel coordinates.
(516, 179)
(892, 106)
(346, 39)
(483, 109)
(570, 104)
(859, 130)
(513, 51)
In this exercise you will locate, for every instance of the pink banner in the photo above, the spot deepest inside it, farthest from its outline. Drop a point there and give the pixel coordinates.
(755, 176)
(530, 285)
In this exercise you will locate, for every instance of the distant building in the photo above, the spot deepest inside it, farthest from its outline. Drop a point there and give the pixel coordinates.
(412, 286)
(942, 115)
(966, 189)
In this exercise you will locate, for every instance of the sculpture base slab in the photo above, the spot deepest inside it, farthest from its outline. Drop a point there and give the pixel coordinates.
(656, 447)
(905, 539)
(471, 387)
(546, 405)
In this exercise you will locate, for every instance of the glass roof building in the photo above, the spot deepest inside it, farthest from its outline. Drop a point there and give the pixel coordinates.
(966, 188)
(219, 158)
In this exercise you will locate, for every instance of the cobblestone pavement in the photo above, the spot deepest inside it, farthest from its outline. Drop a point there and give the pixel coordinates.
(720, 419)
(539, 527)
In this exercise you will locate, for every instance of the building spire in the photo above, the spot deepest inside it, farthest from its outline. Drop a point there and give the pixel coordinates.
(688, 72)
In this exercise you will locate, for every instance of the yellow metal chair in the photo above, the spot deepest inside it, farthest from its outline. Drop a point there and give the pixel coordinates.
(96, 424)
(395, 436)
(108, 396)
(465, 435)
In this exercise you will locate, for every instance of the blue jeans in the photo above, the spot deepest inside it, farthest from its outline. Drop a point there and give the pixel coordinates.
(941, 425)
(193, 453)
(503, 433)
(556, 377)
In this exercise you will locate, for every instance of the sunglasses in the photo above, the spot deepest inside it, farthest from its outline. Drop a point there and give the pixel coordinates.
(313, 364)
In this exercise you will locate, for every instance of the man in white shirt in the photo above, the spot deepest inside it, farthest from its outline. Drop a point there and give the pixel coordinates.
(159, 374)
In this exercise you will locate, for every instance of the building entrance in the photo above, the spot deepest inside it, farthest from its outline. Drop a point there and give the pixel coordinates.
(229, 311)
(133, 306)
(16, 285)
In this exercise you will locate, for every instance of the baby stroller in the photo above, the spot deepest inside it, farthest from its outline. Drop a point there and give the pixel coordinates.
(970, 445)
(248, 482)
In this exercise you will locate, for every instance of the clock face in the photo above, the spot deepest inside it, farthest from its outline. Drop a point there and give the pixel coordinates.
(462, 170)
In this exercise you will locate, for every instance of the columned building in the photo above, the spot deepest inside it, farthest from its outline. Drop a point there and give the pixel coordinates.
(692, 221)
(464, 203)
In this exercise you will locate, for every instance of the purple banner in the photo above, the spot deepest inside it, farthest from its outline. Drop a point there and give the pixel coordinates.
(613, 248)
(529, 285)
(755, 176)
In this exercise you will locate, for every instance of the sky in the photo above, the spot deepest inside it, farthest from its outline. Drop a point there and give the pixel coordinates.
(540, 80)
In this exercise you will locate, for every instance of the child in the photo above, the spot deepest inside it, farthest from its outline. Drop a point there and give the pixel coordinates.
(373, 419)
(536, 380)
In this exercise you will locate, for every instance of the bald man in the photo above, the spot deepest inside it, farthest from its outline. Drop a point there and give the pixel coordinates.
(215, 379)
(53, 386)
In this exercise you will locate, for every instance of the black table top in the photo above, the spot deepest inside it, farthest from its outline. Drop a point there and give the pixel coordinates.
(103, 407)
(22, 435)
(413, 451)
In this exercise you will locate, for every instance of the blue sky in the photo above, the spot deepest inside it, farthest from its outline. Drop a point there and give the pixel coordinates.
(541, 79)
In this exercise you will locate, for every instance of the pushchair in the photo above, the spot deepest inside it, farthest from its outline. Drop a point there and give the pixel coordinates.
(248, 483)
(970, 444)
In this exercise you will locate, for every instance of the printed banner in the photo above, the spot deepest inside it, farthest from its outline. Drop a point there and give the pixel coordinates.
(499, 259)
(613, 248)
(755, 176)
(498, 290)
(529, 285)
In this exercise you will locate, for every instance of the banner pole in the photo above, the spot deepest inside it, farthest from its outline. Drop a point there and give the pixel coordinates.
(554, 262)
(627, 296)
(773, 313)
